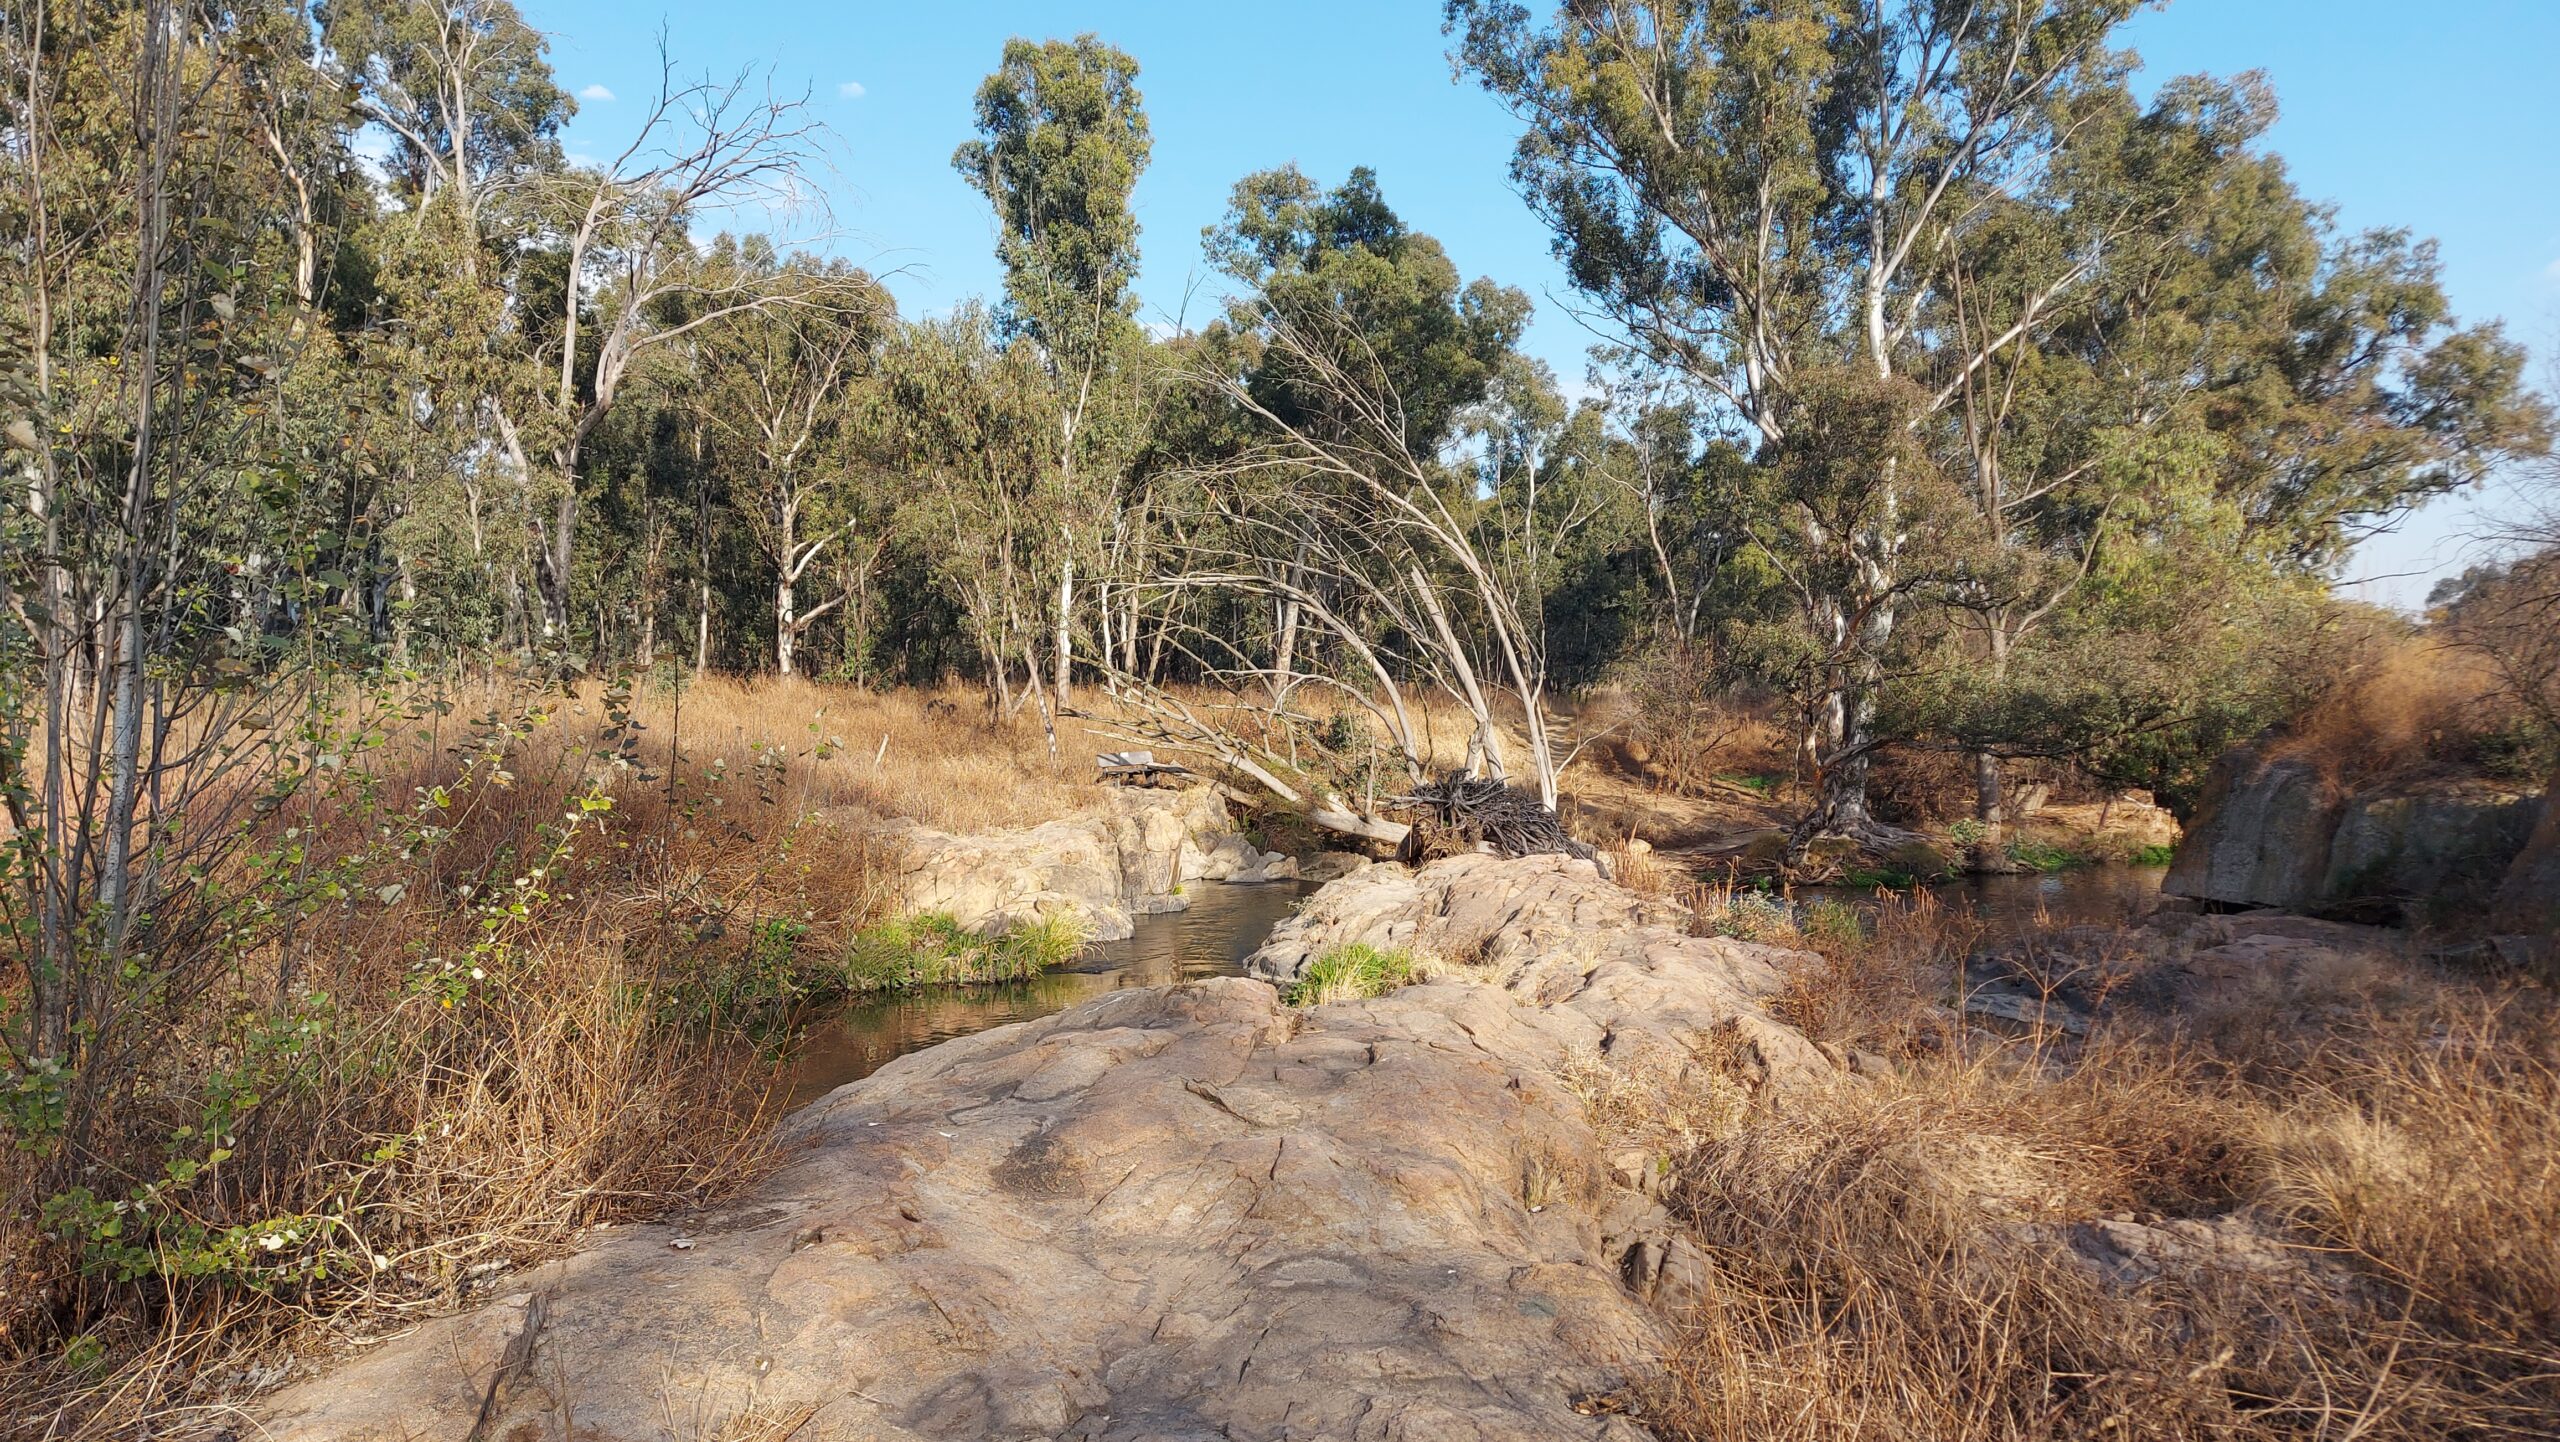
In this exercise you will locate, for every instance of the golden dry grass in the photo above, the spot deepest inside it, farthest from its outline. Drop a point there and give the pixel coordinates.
(937, 757)
(1906, 1253)
(2406, 705)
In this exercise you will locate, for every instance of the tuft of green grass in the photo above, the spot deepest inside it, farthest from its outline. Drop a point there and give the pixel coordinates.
(2044, 855)
(1834, 922)
(932, 949)
(2154, 855)
(1745, 914)
(1037, 945)
(1354, 971)
(1765, 785)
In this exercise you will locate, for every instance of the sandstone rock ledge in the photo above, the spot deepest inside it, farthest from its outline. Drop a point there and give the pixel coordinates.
(1173, 1214)
(1130, 855)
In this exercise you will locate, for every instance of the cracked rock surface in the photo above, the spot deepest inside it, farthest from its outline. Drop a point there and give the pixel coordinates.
(1171, 1214)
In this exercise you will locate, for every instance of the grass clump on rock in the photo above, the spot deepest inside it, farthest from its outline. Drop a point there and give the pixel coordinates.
(933, 949)
(1354, 971)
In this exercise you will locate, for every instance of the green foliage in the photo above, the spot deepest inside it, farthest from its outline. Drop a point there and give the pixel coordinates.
(1353, 971)
(2155, 854)
(2044, 855)
(1063, 139)
(1749, 915)
(1834, 923)
(932, 949)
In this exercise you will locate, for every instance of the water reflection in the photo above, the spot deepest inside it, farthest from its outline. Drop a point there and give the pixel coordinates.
(1222, 927)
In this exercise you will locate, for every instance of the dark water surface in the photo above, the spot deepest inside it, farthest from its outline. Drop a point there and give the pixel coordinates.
(1222, 927)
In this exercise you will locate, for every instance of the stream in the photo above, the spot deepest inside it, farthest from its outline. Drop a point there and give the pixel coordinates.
(1222, 926)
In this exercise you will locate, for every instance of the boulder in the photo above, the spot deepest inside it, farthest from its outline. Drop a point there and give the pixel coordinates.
(1177, 1213)
(1129, 856)
(2260, 836)
(2528, 899)
(1334, 865)
(2278, 832)
(1234, 858)
(2448, 844)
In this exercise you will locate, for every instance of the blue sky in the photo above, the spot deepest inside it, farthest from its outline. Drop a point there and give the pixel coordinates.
(2439, 118)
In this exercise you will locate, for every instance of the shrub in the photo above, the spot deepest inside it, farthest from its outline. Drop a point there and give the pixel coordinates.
(1354, 971)
(1833, 923)
(2156, 854)
(2357, 1216)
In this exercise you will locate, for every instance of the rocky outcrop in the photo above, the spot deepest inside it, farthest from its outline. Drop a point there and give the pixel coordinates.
(1182, 1213)
(2276, 831)
(2529, 895)
(1129, 856)
(2171, 964)
(2260, 837)
(1548, 929)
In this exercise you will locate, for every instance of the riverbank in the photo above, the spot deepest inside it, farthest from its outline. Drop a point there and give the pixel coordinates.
(1639, 1181)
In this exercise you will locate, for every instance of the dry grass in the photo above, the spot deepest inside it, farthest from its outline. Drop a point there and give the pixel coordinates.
(448, 1036)
(2372, 1250)
(2407, 708)
(937, 757)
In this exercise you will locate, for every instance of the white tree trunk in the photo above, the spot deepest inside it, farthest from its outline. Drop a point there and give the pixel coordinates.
(1066, 637)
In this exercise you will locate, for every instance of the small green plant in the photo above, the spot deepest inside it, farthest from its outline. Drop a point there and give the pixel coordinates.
(2044, 855)
(1878, 878)
(933, 949)
(1353, 971)
(1967, 833)
(1747, 915)
(1765, 785)
(1833, 922)
(2157, 854)
(1029, 947)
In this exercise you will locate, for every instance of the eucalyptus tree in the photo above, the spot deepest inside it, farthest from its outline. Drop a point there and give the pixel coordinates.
(1756, 194)
(2234, 397)
(1339, 271)
(969, 419)
(1960, 200)
(779, 387)
(702, 147)
(1062, 141)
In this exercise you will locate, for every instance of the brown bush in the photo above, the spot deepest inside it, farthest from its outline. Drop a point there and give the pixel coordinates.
(2413, 707)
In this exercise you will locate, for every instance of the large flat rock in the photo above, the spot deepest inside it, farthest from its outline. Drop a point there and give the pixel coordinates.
(1184, 1213)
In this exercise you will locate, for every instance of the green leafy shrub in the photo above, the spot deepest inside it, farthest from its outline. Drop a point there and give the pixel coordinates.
(2158, 854)
(1353, 971)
